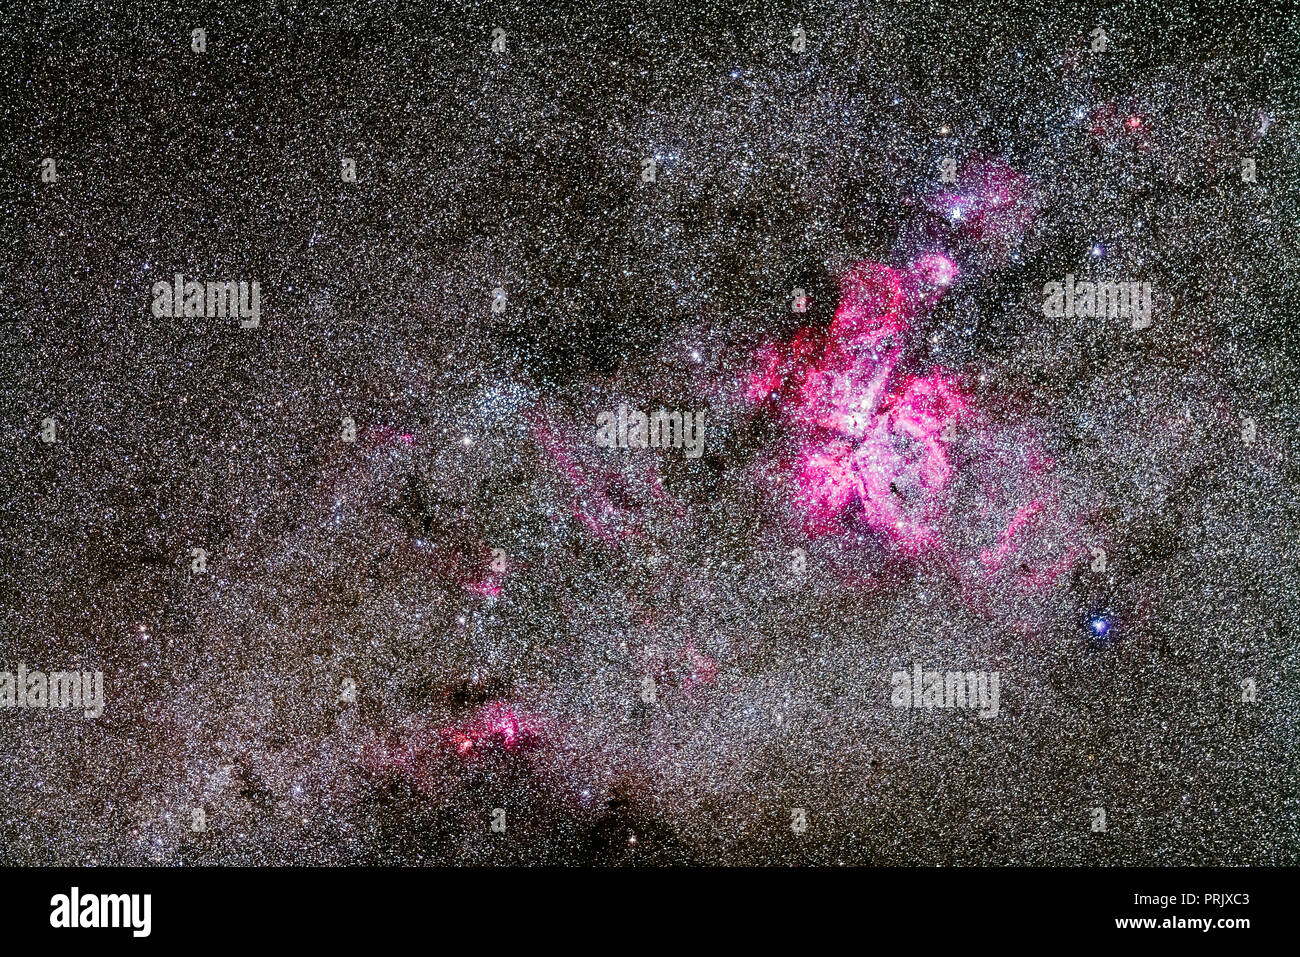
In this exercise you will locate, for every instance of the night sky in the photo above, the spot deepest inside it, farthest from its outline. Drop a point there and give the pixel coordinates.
(644, 656)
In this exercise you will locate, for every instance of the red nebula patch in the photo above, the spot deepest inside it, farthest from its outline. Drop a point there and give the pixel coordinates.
(495, 724)
(875, 439)
(875, 443)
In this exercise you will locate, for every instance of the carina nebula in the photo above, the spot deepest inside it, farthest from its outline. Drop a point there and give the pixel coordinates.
(752, 434)
(880, 449)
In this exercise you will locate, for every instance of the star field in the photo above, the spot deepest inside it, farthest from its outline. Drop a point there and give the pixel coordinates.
(428, 593)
